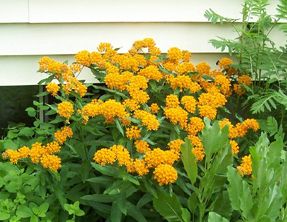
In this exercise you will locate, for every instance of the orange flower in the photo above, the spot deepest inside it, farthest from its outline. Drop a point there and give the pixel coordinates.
(245, 168)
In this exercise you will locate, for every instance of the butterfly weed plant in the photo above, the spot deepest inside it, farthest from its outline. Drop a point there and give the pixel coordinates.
(151, 142)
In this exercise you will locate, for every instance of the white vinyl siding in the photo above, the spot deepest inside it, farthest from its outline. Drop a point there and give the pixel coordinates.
(30, 29)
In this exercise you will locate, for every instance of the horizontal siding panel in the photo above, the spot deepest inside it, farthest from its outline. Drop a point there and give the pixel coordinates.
(49, 39)
(128, 10)
(22, 70)
(14, 11)
(70, 11)
(132, 11)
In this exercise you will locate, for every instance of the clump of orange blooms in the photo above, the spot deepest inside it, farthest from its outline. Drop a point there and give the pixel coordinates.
(38, 153)
(245, 168)
(154, 91)
(52, 88)
(65, 109)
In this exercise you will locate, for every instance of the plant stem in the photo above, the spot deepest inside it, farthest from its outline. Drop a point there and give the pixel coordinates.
(201, 212)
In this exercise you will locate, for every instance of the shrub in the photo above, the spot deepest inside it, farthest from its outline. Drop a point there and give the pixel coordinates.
(120, 145)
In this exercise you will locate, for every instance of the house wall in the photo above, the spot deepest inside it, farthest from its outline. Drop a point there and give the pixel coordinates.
(30, 29)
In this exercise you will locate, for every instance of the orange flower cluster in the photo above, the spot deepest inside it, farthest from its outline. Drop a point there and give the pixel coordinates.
(198, 149)
(133, 132)
(150, 93)
(65, 109)
(64, 74)
(142, 146)
(37, 154)
(52, 88)
(63, 134)
(109, 109)
(159, 160)
(240, 129)
(147, 119)
(245, 168)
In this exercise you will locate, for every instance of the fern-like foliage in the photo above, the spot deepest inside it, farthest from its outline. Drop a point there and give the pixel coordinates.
(282, 14)
(256, 7)
(258, 55)
(282, 9)
(268, 101)
(213, 17)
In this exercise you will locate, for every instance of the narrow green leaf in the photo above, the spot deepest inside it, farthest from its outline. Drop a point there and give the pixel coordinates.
(189, 161)
(116, 214)
(119, 127)
(246, 202)
(214, 139)
(100, 179)
(234, 187)
(168, 206)
(101, 198)
(192, 203)
(214, 217)
(185, 215)
(135, 213)
(146, 198)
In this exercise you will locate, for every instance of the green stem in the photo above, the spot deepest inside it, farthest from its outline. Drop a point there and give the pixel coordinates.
(201, 212)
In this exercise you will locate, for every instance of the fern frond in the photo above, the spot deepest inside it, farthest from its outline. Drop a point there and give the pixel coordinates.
(213, 17)
(269, 101)
(282, 9)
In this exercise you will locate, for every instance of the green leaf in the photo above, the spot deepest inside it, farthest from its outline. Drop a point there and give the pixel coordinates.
(189, 161)
(4, 216)
(106, 170)
(213, 17)
(46, 80)
(119, 127)
(214, 139)
(101, 198)
(185, 215)
(214, 217)
(9, 144)
(41, 210)
(135, 213)
(116, 214)
(146, 198)
(128, 177)
(41, 94)
(58, 119)
(272, 125)
(26, 131)
(192, 202)
(168, 206)
(234, 187)
(246, 201)
(31, 111)
(222, 205)
(122, 204)
(78, 211)
(74, 209)
(149, 187)
(24, 211)
(100, 179)
(34, 218)
(274, 152)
